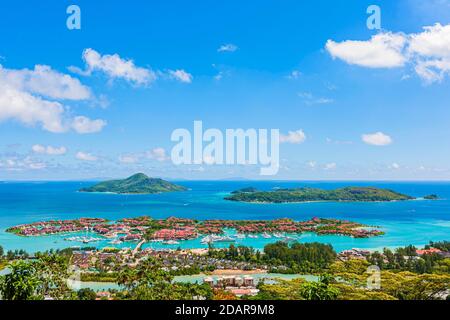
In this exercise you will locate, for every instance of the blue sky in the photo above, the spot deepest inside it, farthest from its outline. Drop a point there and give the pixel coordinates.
(370, 110)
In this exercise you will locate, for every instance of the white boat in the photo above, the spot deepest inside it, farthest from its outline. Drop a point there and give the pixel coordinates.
(253, 236)
(216, 238)
(117, 241)
(206, 239)
(266, 235)
(171, 242)
(289, 239)
(240, 236)
(226, 239)
(278, 235)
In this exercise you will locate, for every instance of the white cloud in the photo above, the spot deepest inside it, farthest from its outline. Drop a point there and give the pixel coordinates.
(427, 51)
(394, 166)
(21, 164)
(227, 48)
(85, 125)
(377, 139)
(383, 50)
(158, 154)
(115, 67)
(84, 156)
(433, 42)
(330, 166)
(22, 97)
(181, 76)
(295, 137)
(49, 150)
(294, 75)
(310, 99)
(45, 81)
(431, 48)
(30, 110)
(311, 164)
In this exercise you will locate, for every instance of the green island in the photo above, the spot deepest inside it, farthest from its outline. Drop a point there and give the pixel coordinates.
(138, 183)
(173, 228)
(347, 194)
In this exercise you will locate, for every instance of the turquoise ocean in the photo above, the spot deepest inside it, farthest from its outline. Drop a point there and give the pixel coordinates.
(411, 222)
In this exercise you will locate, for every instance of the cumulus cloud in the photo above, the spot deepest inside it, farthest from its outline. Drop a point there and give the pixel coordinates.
(30, 110)
(158, 154)
(84, 156)
(85, 125)
(295, 137)
(28, 96)
(48, 150)
(377, 139)
(181, 75)
(427, 51)
(383, 50)
(227, 48)
(45, 81)
(115, 67)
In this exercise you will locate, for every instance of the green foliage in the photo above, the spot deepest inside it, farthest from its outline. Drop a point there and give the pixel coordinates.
(406, 259)
(394, 285)
(149, 282)
(136, 184)
(16, 254)
(282, 258)
(21, 283)
(2, 252)
(443, 245)
(300, 257)
(86, 294)
(299, 289)
(356, 194)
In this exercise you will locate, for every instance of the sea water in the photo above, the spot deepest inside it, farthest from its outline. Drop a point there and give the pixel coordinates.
(406, 222)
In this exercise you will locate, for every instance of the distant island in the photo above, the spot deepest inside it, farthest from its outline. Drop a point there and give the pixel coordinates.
(350, 194)
(136, 184)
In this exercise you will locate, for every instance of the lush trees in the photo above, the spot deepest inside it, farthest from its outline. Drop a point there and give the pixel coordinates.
(300, 257)
(299, 289)
(394, 285)
(44, 277)
(86, 294)
(406, 259)
(312, 194)
(149, 281)
(442, 245)
(282, 257)
(16, 254)
(320, 290)
(53, 272)
(2, 252)
(21, 283)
